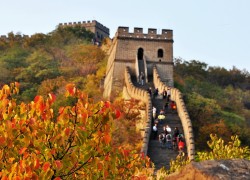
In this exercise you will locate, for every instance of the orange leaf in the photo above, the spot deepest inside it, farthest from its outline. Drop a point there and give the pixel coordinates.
(46, 166)
(57, 178)
(71, 89)
(22, 165)
(17, 84)
(53, 151)
(58, 164)
(106, 173)
(107, 138)
(37, 99)
(22, 150)
(37, 164)
(17, 178)
(2, 140)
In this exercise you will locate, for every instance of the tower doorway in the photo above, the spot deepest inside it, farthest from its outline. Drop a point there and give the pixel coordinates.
(140, 54)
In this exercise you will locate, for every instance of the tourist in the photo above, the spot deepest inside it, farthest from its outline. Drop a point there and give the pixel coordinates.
(142, 77)
(168, 94)
(164, 94)
(154, 112)
(155, 131)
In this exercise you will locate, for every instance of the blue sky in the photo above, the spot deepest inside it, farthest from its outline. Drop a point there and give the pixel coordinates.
(216, 32)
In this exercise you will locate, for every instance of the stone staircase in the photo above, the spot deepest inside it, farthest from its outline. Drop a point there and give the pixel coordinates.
(161, 157)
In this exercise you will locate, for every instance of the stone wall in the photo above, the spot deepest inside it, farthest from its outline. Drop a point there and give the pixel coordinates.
(125, 53)
(142, 95)
(110, 70)
(182, 112)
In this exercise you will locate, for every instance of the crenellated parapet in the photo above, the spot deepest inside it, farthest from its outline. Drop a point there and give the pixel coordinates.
(143, 95)
(182, 113)
(93, 26)
(123, 32)
(17, 36)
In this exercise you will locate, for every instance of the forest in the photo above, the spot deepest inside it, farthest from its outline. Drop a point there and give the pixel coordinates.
(217, 100)
(45, 134)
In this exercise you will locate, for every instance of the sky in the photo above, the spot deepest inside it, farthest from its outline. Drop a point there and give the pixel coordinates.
(216, 32)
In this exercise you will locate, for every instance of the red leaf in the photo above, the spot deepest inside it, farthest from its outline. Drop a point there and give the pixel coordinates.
(52, 97)
(37, 99)
(142, 155)
(82, 128)
(36, 164)
(58, 164)
(46, 166)
(99, 166)
(126, 152)
(57, 178)
(117, 113)
(107, 104)
(106, 173)
(71, 89)
(22, 150)
(67, 131)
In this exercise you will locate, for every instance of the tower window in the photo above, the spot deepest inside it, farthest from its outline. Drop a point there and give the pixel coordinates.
(160, 53)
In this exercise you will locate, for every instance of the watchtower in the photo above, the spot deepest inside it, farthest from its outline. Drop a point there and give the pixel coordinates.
(94, 26)
(140, 52)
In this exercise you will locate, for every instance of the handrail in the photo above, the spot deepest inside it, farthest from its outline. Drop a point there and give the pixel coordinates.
(182, 112)
(143, 95)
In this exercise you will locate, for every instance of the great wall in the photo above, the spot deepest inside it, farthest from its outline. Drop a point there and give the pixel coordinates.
(130, 54)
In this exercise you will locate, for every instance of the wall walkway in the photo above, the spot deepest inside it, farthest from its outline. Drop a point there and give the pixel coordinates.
(182, 112)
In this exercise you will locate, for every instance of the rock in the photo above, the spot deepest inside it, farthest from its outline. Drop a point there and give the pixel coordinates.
(234, 169)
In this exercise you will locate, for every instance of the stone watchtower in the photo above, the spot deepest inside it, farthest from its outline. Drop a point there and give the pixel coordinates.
(140, 52)
(95, 27)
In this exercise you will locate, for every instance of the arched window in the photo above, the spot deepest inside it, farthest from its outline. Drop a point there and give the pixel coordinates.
(140, 54)
(160, 53)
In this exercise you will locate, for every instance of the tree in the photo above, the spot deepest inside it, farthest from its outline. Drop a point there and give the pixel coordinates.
(36, 144)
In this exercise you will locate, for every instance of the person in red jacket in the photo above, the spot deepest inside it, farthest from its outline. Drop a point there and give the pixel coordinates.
(173, 106)
(181, 145)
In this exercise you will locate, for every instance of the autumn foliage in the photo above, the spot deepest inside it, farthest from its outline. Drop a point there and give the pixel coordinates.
(75, 144)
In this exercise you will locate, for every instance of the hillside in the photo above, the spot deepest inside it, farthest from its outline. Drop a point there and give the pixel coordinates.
(45, 63)
(217, 100)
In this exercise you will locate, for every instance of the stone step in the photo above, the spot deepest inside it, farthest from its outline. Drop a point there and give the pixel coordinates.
(161, 157)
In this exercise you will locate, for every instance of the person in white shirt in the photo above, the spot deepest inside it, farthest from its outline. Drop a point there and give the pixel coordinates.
(168, 129)
(155, 131)
(154, 112)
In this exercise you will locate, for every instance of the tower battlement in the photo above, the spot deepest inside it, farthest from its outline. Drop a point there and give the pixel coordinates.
(87, 25)
(123, 32)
